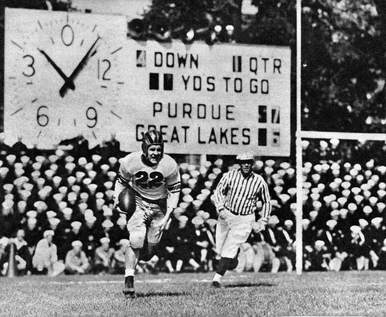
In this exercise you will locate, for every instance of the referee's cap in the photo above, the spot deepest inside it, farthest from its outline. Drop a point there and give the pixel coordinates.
(246, 156)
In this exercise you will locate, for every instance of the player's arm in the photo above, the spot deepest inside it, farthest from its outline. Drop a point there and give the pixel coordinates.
(173, 183)
(220, 192)
(266, 207)
(123, 179)
(266, 200)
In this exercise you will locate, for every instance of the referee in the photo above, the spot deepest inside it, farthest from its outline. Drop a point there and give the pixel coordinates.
(236, 198)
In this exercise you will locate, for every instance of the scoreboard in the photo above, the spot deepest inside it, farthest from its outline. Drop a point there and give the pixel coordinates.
(219, 99)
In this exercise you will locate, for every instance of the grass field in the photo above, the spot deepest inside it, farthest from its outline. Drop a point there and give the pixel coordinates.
(248, 294)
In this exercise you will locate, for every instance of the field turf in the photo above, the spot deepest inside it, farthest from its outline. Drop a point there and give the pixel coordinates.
(247, 294)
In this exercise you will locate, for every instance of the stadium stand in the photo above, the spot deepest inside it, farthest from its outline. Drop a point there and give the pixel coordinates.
(66, 196)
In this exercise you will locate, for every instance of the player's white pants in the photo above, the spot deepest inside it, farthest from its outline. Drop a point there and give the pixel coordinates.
(231, 231)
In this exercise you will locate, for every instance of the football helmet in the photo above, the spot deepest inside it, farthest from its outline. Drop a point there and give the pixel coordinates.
(152, 137)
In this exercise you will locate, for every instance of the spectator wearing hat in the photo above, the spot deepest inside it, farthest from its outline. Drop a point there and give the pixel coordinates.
(45, 259)
(8, 224)
(4, 255)
(182, 232)
(286, 239)
(80, 146)
(357, 248)
(19, 148)
(76, 260)
(263, 252)
(103, 257)
(107, 226)
(319, 258)
(76, 232)
(119, 231)
(376, 234)
(91, 233)
(271, 237)
(118, 261)
(32, 234)
(382, 257)
(22, 255)
(201, 242)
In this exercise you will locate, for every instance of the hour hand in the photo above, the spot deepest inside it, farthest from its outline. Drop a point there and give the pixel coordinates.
(66, 79)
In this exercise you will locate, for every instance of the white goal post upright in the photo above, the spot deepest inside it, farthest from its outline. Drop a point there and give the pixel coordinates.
(299, 161)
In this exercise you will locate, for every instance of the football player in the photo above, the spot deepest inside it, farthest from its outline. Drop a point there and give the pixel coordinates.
(155, 180)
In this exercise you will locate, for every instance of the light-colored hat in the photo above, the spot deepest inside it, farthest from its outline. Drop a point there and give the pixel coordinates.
(50, 214)
(107, 211)
(76, 224)
(62, 205)
(355, 229)
(82, 161)
(313, 214)
(331, 223)
(104, 240)
(247, 156)
(31, 213)
(274, 220)
(319, 243)
(4, 241)
(211, 222)
(335, 213)
(288, 223)
(96, 158)
(77, 243)
(305, 221)
(197, 220)
(90, 219)
(75, 189)
(54, 221)
(121, 221)
(31, 221)
(71, 196)
(343, 212)
(363, 222)
(107, 223)
(108, 184)
(376, 220)
(48, 233)
(182, 218)
(352, 207)
(105, 167)
(67, 211)
(124, 242)
(367, 210)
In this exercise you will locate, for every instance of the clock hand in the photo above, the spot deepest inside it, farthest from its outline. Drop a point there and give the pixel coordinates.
(69, 82)
(91, 52)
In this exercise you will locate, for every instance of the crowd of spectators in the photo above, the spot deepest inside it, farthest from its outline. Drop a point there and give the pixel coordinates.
(57, 211)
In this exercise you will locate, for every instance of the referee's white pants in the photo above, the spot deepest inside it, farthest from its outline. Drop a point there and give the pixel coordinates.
(232, 231)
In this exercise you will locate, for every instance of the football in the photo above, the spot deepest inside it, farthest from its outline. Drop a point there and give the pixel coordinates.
(126, 201)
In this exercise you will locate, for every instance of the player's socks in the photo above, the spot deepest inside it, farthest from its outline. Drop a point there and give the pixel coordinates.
(128, 291)
(129, 272)
(217, 278)
(216, 282)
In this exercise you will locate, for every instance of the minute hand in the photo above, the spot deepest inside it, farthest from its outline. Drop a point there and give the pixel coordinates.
(57, 68)
(77, 70)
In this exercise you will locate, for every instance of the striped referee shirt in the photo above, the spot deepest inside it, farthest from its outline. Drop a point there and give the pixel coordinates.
(240, 195)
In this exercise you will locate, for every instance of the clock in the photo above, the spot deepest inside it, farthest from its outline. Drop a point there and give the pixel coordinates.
(63, 76)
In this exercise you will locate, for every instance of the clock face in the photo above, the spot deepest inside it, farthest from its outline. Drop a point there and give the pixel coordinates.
(63, 76)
